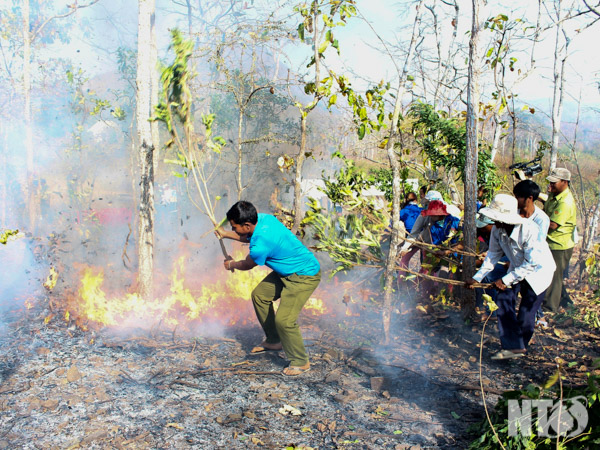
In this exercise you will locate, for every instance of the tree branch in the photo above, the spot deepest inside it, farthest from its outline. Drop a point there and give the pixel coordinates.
(73, 7)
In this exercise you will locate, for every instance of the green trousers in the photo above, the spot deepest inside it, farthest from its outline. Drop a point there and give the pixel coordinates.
(557, 292)
(293, 290)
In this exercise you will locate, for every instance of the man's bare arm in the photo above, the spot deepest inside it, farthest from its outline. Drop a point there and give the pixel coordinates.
(244, 264)
(553, 225)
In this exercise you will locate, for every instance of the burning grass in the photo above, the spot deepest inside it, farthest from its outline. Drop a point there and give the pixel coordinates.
(216, 299)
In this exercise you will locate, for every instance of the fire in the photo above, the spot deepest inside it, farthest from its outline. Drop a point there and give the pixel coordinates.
(52, 279)
(315, 306)
(222, 301)
(29, 304)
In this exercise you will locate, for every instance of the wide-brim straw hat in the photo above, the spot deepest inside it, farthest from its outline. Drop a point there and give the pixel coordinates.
(435, 208)
(503, 208)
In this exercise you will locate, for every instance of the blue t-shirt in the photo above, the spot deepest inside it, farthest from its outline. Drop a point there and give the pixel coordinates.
(276, 247)
(409, 215)
(440, 232)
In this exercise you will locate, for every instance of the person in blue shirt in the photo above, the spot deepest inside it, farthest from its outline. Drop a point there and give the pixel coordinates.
(410, 211)
(296, 274)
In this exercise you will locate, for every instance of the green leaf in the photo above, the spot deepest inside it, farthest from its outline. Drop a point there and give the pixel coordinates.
(332, 100)
(323, 46)
(301, 31)
(362, 129)
(552, 380)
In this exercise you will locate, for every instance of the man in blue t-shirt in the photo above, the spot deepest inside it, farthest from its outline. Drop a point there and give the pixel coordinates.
(296, 274)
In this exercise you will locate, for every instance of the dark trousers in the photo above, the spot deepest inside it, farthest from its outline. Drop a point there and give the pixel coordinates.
(516, 329)
(557, 292)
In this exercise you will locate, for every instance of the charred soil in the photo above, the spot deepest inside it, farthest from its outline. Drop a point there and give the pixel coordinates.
(62, 387)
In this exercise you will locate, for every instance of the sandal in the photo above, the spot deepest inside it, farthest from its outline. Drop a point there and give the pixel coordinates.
(266, 347)
(294, 371)
(507, 354)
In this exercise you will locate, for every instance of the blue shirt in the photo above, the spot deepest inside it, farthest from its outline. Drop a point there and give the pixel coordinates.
(440, 232)
(409, 215)
(276, 247)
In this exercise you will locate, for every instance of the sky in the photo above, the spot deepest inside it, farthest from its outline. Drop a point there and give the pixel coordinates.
(114, 24)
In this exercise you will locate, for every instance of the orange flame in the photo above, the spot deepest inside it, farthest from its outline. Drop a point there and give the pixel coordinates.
(315, 306)
(220, 301)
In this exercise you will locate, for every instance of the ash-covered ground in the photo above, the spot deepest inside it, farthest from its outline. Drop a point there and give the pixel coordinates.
(63, 387)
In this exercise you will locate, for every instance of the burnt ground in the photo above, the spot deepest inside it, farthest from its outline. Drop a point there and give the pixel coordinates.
(62, 387)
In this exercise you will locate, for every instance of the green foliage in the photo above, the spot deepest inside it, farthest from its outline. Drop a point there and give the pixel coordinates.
(373, 100)
(589, 438)
(177, 103)
(176, 94)
(333, 14)
(383, 178)
(592, 267)
(354, 235)
(444, 141)
(86, 101)
(6, 234)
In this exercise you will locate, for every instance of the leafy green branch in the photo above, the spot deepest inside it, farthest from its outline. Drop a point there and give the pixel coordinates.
(175, 112)
(444, 141)
(6, 234)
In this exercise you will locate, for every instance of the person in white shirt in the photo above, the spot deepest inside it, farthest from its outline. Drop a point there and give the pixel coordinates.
(530, 273)
(527, 192)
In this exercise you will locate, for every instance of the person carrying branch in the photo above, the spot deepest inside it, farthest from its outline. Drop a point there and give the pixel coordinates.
(296, 274)
(530, 273)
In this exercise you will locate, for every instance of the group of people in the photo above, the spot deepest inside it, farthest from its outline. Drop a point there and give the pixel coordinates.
(528, 255)
(528, 251)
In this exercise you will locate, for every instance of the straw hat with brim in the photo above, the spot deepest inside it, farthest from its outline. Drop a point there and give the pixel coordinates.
(503, 209)
(435, 208)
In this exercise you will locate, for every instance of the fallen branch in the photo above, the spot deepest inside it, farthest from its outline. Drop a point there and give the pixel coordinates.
(432, 277)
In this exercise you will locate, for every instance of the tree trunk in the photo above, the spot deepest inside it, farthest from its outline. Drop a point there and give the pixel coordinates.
(589, 233)
(146, 148)
(300, 157)
(496, 138)
(3, 174)
(470, 181)
(29, 191)
(390, 265)
(560, 57)
(239, 164)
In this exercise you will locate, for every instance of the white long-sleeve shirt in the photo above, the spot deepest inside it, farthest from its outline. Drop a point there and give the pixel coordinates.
(542, 221)
(529, 256)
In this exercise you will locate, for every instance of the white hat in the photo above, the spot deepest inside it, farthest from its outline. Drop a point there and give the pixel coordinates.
(453, 211)
(433, 195)
(503, 208)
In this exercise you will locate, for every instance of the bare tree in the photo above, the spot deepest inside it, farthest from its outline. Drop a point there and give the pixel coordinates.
(471, 157)
(146, 146)
(561, 46)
